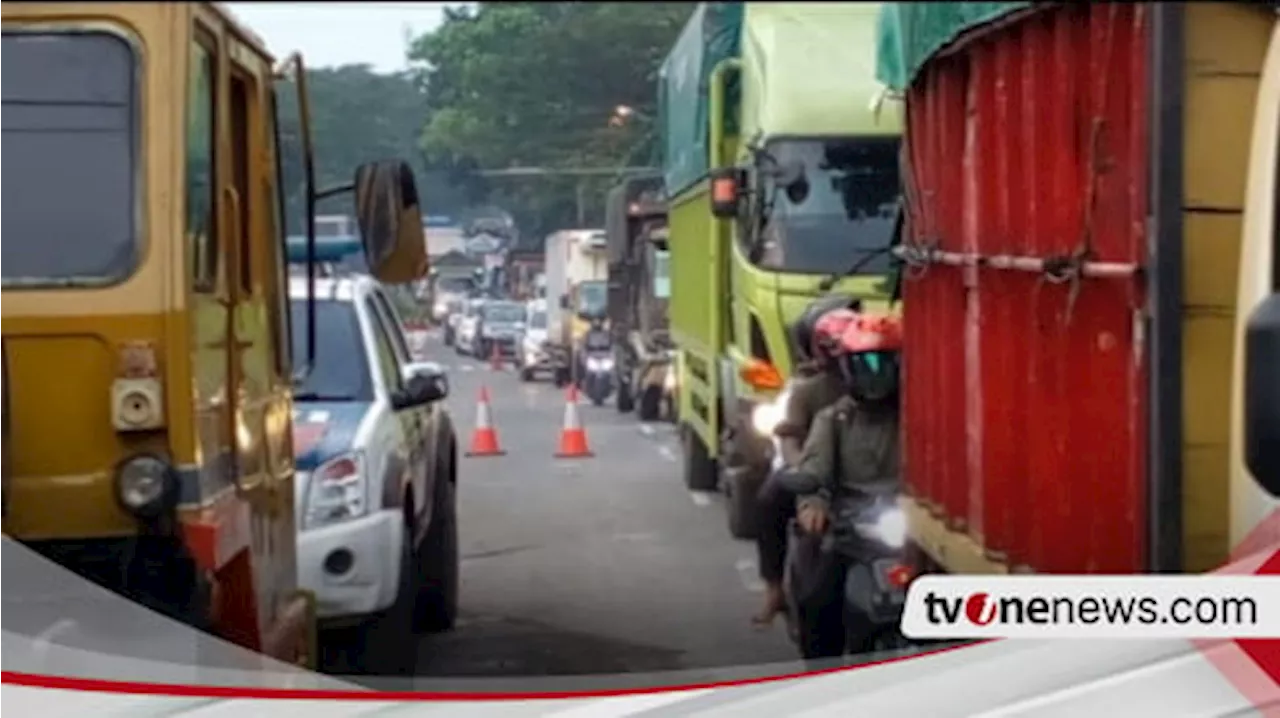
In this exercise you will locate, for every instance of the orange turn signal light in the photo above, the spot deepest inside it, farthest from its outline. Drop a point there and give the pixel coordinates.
(760, 374)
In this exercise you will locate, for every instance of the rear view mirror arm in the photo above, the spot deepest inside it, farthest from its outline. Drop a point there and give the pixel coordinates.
(294, 65)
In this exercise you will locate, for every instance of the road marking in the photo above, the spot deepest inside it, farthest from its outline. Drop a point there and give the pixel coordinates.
(700, 498)
(667, 453)
(646, 429)
(749, 574)
(467, 367)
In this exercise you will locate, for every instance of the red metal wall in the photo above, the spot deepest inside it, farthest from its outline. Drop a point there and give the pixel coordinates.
(1024, 396)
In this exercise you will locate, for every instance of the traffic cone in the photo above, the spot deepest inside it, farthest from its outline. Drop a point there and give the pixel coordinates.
(573, 438)
(484, 441)
(495, 358)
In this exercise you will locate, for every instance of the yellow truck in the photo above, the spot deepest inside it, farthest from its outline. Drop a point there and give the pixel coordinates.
(781, 178)
(147, 369)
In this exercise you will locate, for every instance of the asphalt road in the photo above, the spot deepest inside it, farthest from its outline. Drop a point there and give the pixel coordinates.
(601, 565)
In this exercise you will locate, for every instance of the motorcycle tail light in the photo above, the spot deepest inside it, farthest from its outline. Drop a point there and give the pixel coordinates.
(899, 576)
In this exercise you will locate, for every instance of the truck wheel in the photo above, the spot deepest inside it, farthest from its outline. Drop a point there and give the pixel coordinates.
(625, 401)
(437, 604)
(651, 403)
(699, 467)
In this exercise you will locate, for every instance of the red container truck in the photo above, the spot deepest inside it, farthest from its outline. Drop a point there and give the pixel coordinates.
(1076, 183)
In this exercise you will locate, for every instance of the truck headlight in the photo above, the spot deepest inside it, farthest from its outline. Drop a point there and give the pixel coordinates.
(765, 417)
(337, 491)
(599, 363)
(669, 381)
(891, 528)
(146, 486)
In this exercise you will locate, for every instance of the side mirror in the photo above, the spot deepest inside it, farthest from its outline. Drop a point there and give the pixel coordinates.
(424, 383)
(390, 217)
(1262, 394)
(791, 177)
(726, 191)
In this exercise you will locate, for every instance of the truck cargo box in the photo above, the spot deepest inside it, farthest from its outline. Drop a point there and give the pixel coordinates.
(1069, 286)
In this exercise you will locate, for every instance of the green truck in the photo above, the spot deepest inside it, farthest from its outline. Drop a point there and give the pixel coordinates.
(780, 164)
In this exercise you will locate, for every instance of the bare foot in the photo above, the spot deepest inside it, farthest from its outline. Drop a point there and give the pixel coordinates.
(774, 603)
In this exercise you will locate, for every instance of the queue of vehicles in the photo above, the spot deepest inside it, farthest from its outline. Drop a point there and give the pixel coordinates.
(166, 295)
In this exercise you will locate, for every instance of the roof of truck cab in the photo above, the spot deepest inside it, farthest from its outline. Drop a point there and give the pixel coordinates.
(808, 69)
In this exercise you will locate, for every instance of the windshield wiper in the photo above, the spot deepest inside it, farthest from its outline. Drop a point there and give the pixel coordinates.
(321, 396)
(866, 255)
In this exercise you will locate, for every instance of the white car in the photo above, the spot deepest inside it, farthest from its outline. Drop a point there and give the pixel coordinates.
(532, 351)
(468, 324)
(376, 470)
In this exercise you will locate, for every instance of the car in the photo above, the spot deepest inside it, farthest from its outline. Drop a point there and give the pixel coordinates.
(532, 351)
(376, 460)
(500, 325)
(468, 324)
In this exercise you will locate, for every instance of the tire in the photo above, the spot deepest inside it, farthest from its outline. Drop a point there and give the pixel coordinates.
(742, 513)
(436, 608)
(526, 375)
(650, 403)
(626, 402)
(699, 468)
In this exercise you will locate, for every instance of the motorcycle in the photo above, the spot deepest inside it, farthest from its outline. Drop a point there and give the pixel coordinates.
(597, 375)
(868, 533)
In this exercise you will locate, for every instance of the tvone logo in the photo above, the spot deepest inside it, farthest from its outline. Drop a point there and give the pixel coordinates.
(980, 609)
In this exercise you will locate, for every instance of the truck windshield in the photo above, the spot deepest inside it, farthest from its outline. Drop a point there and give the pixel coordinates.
(69, 111)
(592, 298)
(503, 313)
(455, 285)
(853, 189)
(341, 371)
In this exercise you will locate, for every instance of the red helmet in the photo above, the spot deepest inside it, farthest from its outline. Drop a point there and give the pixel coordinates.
(871, 333)
(829, 331)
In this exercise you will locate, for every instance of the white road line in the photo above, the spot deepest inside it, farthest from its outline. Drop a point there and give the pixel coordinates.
(700, 498)
(467, 367)
(667, 453)
(749, 574)
(646, 429)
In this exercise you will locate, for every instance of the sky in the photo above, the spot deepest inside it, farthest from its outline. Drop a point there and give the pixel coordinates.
(341, 33)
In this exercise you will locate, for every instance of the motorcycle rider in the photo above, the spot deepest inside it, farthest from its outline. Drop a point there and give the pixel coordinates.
(815, 386)
(852, 442)
(597, 339)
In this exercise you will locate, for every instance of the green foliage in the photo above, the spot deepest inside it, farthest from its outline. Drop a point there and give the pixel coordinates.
(535, 84)
(357, 115)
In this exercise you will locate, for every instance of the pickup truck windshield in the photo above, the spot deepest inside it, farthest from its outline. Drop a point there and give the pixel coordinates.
(503, 313)
(853, 189)
(341, 371)
(70, 118)
(592, 298)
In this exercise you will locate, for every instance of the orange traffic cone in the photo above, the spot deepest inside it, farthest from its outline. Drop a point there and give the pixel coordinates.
(484, 441)
(495, 358)
(573, 438)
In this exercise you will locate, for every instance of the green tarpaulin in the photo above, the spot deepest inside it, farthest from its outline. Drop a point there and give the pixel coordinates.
(712, 34)
(911, 32)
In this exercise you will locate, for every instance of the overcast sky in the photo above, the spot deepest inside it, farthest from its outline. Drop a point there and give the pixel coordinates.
(341, 33)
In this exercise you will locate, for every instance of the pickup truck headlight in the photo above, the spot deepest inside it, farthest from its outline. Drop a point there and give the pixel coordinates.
(337, 491)
(766, 416)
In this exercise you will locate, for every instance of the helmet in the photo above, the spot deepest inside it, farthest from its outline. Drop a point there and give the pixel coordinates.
(868, 356)
(802, 331)
(829, 331)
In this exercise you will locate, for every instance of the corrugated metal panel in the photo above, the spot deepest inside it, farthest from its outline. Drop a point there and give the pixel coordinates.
(1024, 403)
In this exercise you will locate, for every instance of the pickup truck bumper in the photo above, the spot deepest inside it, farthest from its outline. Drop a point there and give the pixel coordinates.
(352, 567)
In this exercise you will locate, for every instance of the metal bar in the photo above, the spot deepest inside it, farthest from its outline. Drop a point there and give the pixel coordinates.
(1165, 255)
(1100, 270)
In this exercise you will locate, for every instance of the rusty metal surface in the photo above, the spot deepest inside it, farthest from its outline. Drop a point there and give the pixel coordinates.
(1024, 403)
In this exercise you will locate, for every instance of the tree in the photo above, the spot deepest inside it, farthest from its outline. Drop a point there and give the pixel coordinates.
(357, 115)
(519, 83)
